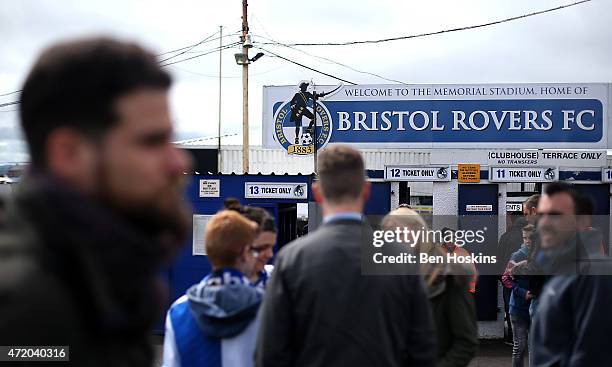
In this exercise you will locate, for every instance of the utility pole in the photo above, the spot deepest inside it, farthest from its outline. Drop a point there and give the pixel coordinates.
(219, 156)
(245, 89)
(314, 131)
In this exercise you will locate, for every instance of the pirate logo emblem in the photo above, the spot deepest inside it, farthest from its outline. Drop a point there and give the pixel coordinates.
(549, 174)
(298, 191)
(288, 119)
(442, 173)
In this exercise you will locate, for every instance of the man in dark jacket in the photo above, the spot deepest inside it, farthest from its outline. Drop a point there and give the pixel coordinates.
(511, 240)
(320, 310)
(100, 210)
(509, 243)
(572, 319)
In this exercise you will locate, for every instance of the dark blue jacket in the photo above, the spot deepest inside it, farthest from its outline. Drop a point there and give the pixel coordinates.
(519, 306)
(573, 322)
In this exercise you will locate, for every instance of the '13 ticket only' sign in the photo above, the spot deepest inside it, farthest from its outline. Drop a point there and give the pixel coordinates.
(275, 190)
(436, 116)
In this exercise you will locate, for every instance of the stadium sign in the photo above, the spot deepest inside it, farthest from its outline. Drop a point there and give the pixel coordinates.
(436, 116)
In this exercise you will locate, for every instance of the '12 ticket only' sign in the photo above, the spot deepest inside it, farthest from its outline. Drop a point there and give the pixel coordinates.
(418, 173)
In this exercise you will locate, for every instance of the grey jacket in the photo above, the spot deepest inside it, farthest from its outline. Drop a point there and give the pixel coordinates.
(320, 311)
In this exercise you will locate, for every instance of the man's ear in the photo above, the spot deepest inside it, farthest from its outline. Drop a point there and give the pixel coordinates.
(366, 190)
(70, 156)
(318, 193)
(243, 254)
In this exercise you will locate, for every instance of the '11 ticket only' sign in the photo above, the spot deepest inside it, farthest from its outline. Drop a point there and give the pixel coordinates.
(523, 174)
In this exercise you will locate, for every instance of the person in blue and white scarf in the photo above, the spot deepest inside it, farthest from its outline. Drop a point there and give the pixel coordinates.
(263, 246)
(215, 323)
(264, 243)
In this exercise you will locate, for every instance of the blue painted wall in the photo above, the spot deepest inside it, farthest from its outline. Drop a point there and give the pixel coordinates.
(188, 269)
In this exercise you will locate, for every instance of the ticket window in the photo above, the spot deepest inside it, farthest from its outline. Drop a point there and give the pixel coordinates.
(600, 197)
(404, 193)
(478, 208)
(417, 195)
(287, 224)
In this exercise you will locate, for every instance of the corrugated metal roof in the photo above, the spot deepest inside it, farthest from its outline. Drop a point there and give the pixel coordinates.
(267, 161)
(277, 161)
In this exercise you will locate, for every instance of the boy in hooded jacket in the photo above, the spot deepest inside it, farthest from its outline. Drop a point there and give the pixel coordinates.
(214, 324)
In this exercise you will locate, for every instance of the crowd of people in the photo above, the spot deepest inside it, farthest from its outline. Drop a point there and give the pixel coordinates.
(557, 252)
(101, 211)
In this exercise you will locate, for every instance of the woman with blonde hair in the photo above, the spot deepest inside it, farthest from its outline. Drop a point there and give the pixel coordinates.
(453, 307)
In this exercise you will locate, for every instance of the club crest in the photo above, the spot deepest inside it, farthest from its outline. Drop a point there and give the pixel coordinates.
(294, 122)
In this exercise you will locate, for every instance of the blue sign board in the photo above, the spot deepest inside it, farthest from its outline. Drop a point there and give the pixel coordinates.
(503, 116)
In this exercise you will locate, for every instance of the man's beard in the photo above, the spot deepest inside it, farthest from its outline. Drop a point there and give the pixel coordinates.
(165, 218)
(553, 238)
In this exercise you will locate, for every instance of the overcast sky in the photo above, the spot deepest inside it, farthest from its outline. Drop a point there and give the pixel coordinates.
(570, 45)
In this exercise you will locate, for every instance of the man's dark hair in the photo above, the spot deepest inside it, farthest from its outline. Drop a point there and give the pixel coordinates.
(76, 84)
(232, 203)
(341, 173)
(563, 188)
(265, 221)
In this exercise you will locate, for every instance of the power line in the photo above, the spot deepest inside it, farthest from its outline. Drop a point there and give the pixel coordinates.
(218, 49)
(186, 47)
(307, 67)
(334, 62)
(192, 141)
(228, 76)
(383, 39)
(8, 94)
(189, 48)
(347, 43)
(378, 40)
(172, 63)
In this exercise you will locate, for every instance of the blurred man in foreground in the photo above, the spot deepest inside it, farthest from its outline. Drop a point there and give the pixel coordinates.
(100, 211)
(319, 309)
(572, 321)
